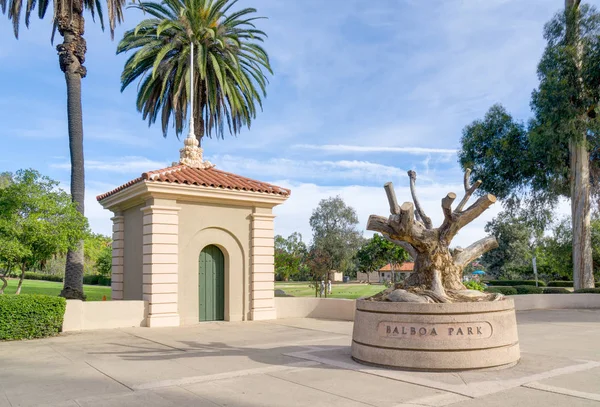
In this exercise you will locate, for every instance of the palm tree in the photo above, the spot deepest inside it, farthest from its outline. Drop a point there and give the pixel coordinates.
(68, 19)
(229, 64)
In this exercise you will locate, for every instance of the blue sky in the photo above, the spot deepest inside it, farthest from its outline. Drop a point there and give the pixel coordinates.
(362, 92)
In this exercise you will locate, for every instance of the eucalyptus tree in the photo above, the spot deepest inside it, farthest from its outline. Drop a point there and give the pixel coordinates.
(230, 65)
(67, 18)
(557, 153)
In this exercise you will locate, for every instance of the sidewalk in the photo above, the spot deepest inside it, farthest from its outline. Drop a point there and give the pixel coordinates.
(300, 362)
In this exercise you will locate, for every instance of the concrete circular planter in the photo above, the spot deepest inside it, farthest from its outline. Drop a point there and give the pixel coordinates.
(436, 337)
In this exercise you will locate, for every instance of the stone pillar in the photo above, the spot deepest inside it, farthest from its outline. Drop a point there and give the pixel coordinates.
(117, 256)
(262, 266)
(160, 269)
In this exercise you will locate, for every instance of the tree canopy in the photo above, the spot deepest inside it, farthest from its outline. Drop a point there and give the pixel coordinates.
(37, 220)
(335, 232)
(290, 256)
(556, 154)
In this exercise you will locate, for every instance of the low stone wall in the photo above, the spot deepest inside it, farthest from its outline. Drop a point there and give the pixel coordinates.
(81, 316)
(334, 308)
(556, 301)
(307, 307)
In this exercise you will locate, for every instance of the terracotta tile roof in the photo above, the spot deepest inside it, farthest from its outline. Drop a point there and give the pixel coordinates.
(211, 177)
(405, 267)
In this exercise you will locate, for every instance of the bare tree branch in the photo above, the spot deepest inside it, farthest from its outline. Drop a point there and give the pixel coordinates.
(473, 211)
(466, 256)
(391, 196)
(469, 189)
(421, 213)
(447, 205)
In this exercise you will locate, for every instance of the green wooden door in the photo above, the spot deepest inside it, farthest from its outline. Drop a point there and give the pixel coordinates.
(211, 284)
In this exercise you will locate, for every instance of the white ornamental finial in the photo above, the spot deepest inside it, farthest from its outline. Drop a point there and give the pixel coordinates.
(191, 153)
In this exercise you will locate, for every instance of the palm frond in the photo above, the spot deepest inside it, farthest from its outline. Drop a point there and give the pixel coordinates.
(230, 64)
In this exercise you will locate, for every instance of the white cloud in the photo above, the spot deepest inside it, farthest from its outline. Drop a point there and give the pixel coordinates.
(119, 165)
(342, 148)
(348, 170)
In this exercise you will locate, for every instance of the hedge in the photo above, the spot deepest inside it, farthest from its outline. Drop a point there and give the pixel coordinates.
(560, 284)
(41, 276)
(556, 290)
(96, 279)
(527, 289)
(91, 279)
(30, 316)
(502, 290)
(588, 291)
(512, 283)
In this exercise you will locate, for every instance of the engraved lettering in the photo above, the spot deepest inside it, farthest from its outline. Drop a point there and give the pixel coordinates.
(422, 331)
(479, 331)
(404, 330)
(459, 332)
(470, 331)
(388, 329)
(450, 330)
(433, 332)
(396, 330)
(413, 330)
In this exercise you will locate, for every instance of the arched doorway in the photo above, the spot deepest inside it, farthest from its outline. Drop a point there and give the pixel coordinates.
(211, 284)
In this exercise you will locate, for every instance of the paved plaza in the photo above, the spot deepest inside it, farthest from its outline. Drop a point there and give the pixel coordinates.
(295, 362)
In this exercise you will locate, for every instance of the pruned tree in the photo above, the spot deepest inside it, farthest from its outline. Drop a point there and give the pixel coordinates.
(438, 269)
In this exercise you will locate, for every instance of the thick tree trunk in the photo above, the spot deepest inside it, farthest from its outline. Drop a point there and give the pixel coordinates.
(583, 273)
(21, 278)
(4, 283)
(71, 57)
(436, 271)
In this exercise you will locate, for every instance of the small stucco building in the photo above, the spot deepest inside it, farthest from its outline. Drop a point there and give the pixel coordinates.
(385, 273)
(195, 242)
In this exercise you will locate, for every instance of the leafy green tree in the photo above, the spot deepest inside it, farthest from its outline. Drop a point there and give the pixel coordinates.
(104, 262)
(319, 263)
(557, 154)
(335, 233)
(95, 245)
(229, 64)
(557, 248)
(67, 19)
(290, 255)
(37, 220)
(377, 252)
(516, 244)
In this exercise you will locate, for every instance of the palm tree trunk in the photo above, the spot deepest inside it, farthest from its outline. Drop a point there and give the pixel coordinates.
(71, 57)
(583, 272)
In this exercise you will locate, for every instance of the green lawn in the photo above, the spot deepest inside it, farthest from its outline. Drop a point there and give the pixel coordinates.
(93, 292)
(351, 291)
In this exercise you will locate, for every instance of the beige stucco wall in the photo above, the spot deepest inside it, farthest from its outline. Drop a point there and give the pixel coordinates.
(335, 308)
(227, 227)
(80, 315)
(132, 254)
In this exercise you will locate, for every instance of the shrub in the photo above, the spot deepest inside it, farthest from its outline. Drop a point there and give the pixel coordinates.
(588, 291)
(42, 276)
(474, 285)
(30, 316)
(502, 290)
(555, 290)
(96, 279)
(527, 289)
(560, 284)
(513, 283)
